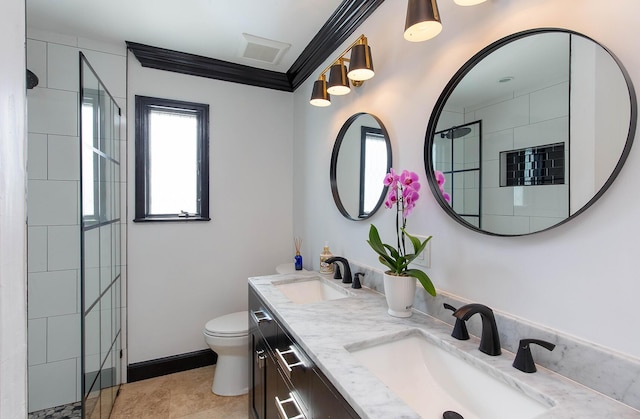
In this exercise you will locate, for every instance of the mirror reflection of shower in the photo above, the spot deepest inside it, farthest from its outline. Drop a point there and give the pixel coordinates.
(32, 79)
(457, 154)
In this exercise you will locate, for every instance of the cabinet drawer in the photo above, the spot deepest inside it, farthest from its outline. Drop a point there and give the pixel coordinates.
(294, 365)
(287, 401)
(262, 319)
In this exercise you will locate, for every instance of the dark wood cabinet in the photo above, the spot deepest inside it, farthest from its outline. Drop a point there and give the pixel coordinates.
(284, 382)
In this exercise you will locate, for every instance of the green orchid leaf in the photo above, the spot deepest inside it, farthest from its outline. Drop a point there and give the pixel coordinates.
(410, 257)
(392, 250)
(374, 240)
(386, 263)
(418, 246)
(424, 280)
(377, 245)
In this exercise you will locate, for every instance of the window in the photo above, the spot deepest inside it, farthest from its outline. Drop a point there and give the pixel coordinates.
(373, 168)
(172, 160)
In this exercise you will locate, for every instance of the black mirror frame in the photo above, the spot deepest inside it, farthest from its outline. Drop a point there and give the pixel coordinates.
(457, 78)
(334, 164)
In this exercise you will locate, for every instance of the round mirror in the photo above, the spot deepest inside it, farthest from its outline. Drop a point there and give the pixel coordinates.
(360, 159)
(530, 132)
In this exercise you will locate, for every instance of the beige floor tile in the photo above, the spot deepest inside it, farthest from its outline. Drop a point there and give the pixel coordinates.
(182, 395)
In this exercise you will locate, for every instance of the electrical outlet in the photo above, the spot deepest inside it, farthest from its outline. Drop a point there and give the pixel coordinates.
(424, 258)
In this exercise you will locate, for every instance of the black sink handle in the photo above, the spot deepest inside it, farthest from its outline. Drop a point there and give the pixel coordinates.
(524, 360)
(460, 329)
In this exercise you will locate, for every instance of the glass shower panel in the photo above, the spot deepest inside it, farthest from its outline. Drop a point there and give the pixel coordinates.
(91, 357)
(105, 257)
(456, 153)
(101, 246)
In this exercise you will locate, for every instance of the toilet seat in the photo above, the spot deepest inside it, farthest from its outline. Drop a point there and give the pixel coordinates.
(229, 325)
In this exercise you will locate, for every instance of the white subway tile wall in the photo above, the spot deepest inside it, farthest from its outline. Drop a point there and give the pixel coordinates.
(53, 170)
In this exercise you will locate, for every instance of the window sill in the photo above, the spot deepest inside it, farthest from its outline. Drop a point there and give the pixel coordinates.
(169, 219)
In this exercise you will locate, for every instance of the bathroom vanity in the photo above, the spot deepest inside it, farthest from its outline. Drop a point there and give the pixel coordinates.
(284, 382)
(328, 336)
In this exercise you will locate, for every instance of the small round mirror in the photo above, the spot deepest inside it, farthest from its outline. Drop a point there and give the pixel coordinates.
(530, 132)
(360, 159)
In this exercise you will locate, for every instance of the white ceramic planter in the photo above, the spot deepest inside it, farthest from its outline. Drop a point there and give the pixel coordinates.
(400, 292)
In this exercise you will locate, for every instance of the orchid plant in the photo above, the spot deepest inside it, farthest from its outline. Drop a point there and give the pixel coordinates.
(403, 195)
(440, 179)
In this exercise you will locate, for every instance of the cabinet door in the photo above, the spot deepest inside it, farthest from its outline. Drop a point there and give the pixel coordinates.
(273, 388)
(258, 375)
(327, 403)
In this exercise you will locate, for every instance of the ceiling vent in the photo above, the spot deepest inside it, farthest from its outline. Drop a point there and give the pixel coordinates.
(262, 49)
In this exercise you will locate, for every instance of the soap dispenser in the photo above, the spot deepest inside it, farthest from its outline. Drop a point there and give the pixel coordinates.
(326, 268)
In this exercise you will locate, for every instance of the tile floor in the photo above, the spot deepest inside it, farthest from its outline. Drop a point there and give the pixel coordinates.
(67, 411)
(184, 395)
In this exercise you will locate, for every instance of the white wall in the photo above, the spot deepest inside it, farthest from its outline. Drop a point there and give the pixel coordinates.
(54, 202)
(580, 278)
(13, 235)
(182, 274)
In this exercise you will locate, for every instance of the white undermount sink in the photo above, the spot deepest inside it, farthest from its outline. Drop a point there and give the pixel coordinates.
(432, 380)
(310, 290)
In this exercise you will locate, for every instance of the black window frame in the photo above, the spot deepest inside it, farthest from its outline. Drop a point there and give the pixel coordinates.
(144, 104)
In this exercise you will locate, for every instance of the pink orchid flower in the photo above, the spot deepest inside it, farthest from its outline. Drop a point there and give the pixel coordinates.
(391, 178)
(439, 178)
(407, 178)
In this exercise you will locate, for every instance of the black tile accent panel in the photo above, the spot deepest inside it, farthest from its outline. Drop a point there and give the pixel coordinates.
(176, 363)
(341, 24)
(543, 165)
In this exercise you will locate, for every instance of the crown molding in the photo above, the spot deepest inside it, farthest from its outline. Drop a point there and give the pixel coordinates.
(197, 65)
(341, 24)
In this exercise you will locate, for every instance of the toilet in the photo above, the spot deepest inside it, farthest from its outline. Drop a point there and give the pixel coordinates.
(228, 336)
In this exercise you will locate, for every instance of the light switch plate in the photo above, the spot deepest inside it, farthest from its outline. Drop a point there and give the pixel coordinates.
(424, 258)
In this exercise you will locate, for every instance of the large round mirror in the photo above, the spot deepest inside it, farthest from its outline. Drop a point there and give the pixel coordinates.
(360, 159)
(530, 132)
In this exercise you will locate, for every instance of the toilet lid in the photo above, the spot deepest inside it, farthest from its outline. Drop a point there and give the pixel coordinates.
(234, 324)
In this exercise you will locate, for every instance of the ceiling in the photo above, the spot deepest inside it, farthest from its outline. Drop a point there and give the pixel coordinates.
(209, 28)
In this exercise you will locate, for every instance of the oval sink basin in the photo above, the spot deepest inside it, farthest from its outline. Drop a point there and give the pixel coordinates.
(432, 380)
(310, 290)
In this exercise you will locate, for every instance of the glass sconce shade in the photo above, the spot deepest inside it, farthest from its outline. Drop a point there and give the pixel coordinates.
(319, 95)
(338, 80)
(360, 64)
(468, 2)
(423, 20)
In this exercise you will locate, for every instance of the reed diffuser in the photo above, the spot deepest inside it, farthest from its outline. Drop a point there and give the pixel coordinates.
(298, 258)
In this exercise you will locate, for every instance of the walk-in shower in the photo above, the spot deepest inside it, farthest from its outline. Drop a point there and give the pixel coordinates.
(457, 153)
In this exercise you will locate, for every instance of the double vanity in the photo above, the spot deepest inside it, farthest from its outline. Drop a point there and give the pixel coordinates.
(322, 349)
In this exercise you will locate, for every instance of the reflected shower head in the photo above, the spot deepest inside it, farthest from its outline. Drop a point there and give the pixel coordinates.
(32, 80)
(455, 133)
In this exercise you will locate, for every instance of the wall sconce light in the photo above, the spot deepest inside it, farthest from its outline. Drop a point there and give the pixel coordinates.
(423, 20)
(340, 80)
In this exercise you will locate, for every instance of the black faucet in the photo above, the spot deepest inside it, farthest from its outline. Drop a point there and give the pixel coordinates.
(460, 329)
(356, 280)
(345, 267)
(489, 340)
(524, 359)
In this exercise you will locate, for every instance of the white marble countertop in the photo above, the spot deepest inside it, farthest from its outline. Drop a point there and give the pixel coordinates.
(324, 329)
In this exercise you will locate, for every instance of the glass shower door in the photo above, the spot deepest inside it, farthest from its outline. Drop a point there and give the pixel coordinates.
(100, 227)
(457, 154)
